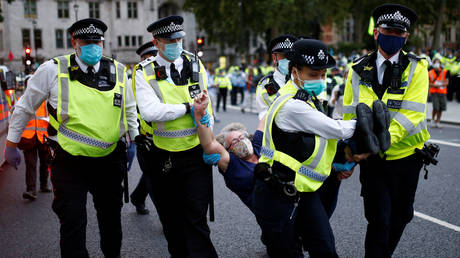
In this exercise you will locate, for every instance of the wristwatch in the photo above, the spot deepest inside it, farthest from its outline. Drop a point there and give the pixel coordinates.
(187, 106)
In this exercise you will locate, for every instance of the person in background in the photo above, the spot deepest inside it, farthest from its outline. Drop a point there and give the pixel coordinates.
(224, 84)
(337, 98)
(238, 78)
(439, 79)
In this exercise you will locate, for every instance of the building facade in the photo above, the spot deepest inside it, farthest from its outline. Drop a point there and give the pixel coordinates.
(42, 26)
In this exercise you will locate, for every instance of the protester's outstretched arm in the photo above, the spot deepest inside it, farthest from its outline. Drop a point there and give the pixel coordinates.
(207, 140)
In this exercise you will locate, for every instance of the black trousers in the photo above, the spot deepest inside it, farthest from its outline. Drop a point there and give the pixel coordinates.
(329, 192)
(73, 177)
(222, 96)
(181, 196)
(38, 152)
(388, 190)
(143, 187)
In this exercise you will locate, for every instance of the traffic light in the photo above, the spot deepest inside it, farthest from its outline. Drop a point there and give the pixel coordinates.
(28, 60)
(200, 42)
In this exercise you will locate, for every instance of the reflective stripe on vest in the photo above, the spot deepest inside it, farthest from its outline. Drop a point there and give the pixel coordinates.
(62, 119)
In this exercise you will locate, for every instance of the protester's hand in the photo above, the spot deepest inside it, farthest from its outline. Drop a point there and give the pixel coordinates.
(12, 156)
(344, 174)
(350, 157)
(201, 103)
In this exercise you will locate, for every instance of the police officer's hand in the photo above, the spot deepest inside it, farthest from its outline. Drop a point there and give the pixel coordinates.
(211, 159)
(12, 156)
(350, 157)
(131, 153)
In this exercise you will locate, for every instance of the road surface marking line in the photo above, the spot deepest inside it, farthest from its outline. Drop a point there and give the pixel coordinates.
(437, 221)
(445, 143)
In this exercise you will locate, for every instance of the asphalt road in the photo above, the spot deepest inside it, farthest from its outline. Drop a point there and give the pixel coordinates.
(31, 229)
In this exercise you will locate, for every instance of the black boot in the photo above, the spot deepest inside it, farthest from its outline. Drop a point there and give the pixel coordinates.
(381, 124)
(364, 135)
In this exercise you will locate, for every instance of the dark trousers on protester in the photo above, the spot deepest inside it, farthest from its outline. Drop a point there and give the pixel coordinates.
(329, 193)
(38, 152)
(388, 190)
(222, 96)
(73, 177)
(143, 187)
(181, 196)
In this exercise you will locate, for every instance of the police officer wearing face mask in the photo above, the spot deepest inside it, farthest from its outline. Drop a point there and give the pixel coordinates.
(181, 182)
(298, 149)
(270, 84)
(88, 153)
(389, 179)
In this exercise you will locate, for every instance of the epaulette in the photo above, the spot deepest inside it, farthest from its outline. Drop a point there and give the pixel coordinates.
(359, 59)
(54, 61)
(107, 58)
(264, 80)
(415, 57)
(146, 61)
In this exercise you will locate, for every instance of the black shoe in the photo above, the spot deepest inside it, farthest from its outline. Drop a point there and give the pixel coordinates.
(29, 195)
(140, 207)
(45, 189)
(366, 140)
(381, 124)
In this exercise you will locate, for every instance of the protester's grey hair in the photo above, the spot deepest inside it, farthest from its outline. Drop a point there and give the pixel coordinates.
(222, 136)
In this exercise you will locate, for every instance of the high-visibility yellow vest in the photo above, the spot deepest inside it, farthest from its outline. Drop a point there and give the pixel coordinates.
(38, 125)
(310, 173)
(223, 81)
(89, 121)
(179, 134)
(407, 106)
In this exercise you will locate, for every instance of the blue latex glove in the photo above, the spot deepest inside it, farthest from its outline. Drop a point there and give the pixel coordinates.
(12, 156)
(205, 120)
(347, 166)
(130, 154)
(211, 159)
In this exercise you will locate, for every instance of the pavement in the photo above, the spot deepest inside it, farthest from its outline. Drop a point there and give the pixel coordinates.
(450, 116)
(31, 229)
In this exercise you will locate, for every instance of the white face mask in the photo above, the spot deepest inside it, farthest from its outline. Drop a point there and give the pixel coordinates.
(436, 66)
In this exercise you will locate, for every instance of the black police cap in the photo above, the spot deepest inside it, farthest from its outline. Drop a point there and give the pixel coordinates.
(88, 29)
(168, 27)
(147, 48)
(311, 53)
(394, 16)
(282, 43)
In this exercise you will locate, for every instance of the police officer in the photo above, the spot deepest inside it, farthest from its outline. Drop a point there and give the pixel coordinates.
(389, 180)
(298, 149)
(88, 153)
(270, 84)
(165, 85)
(140, 193)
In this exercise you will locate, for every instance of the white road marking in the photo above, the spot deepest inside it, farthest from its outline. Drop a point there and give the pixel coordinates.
(445, 142)
(437, 221)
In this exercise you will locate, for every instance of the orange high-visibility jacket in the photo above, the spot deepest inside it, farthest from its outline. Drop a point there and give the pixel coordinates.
(38, 125)
(438, 77)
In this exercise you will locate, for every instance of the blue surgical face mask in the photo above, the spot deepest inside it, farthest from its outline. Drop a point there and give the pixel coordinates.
(390, 44)
(173, 50)
(312, 87)
(90, 54)
(283, 66)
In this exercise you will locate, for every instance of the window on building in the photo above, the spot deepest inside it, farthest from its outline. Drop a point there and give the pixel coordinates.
(38, 38)
(118, 7)
(133, 41)
(26, 38)
(127, 41)
(30, 9)
(69, 39)
(132, 10)
(94, 10)
(120, 41)
(63, 9)
(59, 38)
(1, 40)
(139, 40)
(168, 9)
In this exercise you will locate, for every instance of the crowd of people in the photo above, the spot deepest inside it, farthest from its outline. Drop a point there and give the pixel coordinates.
(320, 116)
